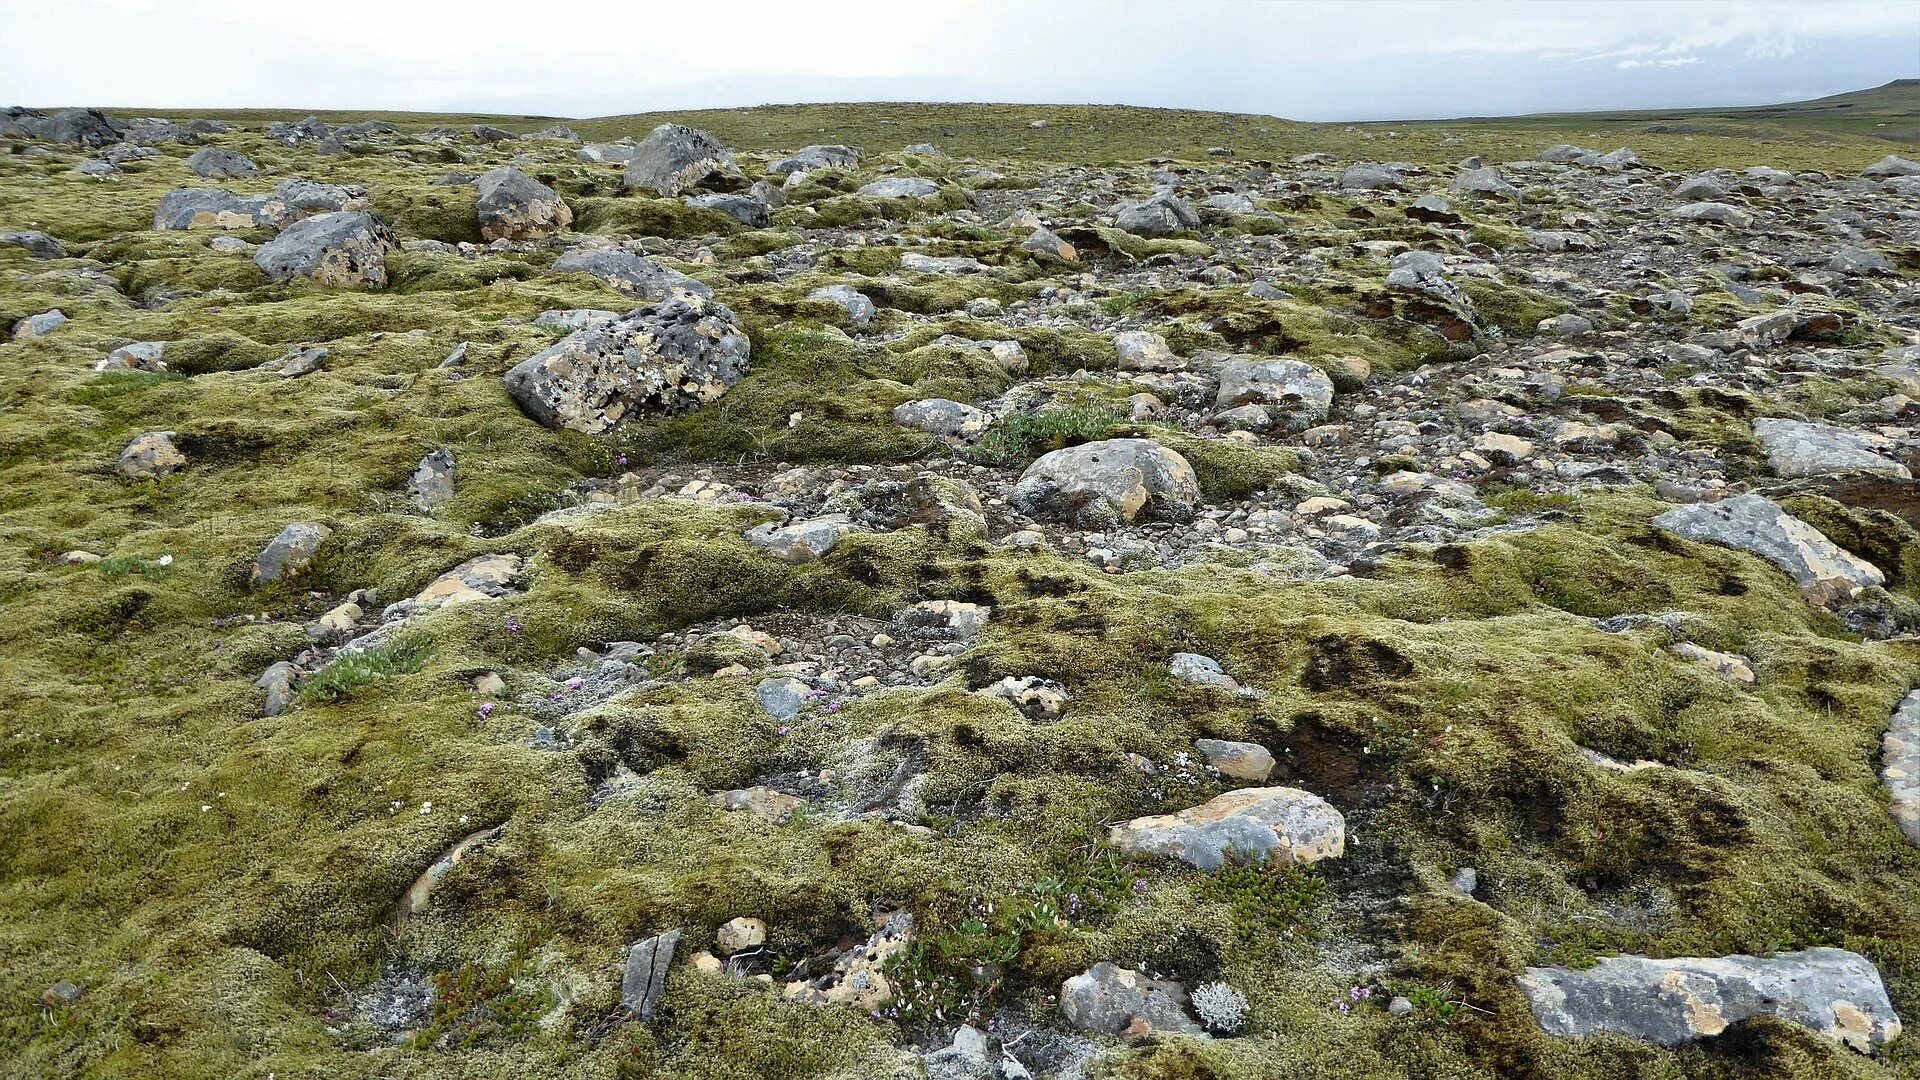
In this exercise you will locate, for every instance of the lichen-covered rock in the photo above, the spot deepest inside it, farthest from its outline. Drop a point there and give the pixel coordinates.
(1144, 350)
(431, 485)
(1485, 181)
(902, 187)
(644, 981)
(40, 325)
(1164, 214)
(1900, 765)
(1799, 448)
(673, 159)
(817, 157)
(635, 275)
(1836, 993)
(1827, 573)
(135, 356)
(1240, 760)
(1892, 165)
(1297, 392)
(921, 263)
(483, 577)
(1047, 246)
(515, 206)
(668, 356)
(343, 250)
(1109, 481)
(1368, 176)
(801, 541)
(744, 209)
(859, 309)
(1251, 824)
(216, 163)
(215, 208)
(289, 552)
(1124, 1003)
(944, 418)
(1197, 670)
(1038, 698)
(38, 244)
(150, 457)
(1715, 212)
(858, 976)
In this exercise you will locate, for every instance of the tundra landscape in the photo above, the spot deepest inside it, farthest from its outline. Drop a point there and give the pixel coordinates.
(960, 592)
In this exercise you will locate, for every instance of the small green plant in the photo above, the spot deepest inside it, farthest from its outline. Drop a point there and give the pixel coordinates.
(1019, 439)
(1266, 898)
(480, 1003)
(1120, 305)
(347, 674)
(123, 566)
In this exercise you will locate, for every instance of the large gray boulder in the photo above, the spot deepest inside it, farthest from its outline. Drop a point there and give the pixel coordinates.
(1297, 394)
(345, 250)
(1704, 187)
(1103, 483)
(635, 275)
(214, 208)
(1162, 215)
(1900, 765)
(304, 198)
(515, 206)
(1892, 165)
(38, 244)
(1832, 991)
(1370, 176)
(215, 163)
(597, 153)
(1798, 448)
(672, 355)
(1118, 1001)
(1485, 181)
(1828, 574)
(75, 127)
(674, 158)
(744, 209)
(901, 187)
(1248, 825)
(289, 552)
(817, 157)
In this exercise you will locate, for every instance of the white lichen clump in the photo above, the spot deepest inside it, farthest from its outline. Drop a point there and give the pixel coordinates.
(1222, 1008)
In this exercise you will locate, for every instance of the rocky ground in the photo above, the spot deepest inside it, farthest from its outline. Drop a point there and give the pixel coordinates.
(485, 603)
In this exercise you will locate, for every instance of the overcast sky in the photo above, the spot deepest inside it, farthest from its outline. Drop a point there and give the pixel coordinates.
(1386, 59)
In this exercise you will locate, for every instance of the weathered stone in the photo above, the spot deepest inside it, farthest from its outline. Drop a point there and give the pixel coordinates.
(213, 208)
(737, 935)
(135, 356)
(902, 187)
(1109, 481)
(801, 541)
(644, 981)
(1828, 574)
(420, 893)
(1049, 247)
(943, 418)
(815, 157)
(783, 698)
(744, 209)
(1836, 993)
(515, 206)
(1200, 670)
(635, 275)
(921, 263)
(1892, 165)
(859, 309)
(1251, 824)
(1737, 668)
(1143, 350)
(484, 577)
(1162, 215)
(673, 159)
(345, 249)
(278, 682)
(1706, 187)
(40, 325)
(1900, 765)
(1369, 176)
(215, 163)
(1240, 760)
(858, 977)
(1798, 448)
(668, 356)
(1714, 212)
(289, 552)
(1297, 393)
(38, 244)
(150, 457)
(1038, 698)
(775, 806)
(431, 485)
(1485, 181)
(1121, 1002)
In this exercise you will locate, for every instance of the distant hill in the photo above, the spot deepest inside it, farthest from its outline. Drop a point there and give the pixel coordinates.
(1890, 112)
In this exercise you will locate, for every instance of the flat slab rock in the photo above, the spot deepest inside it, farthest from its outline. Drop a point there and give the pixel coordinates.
(1827, 573)
(1253, 824)
(1832, 991)
(1900, 765)
(1798, 448)
(1122, 1002)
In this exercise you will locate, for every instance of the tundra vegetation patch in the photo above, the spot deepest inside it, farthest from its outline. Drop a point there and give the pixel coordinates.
(1144, 595)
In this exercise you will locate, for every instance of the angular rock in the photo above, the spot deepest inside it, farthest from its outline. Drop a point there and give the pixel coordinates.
(515, 206)
(1162, 215)
(1121, 1002)
(775, 806)
(902, 187)
(668, 356)
(1109, 481)
(1369, 176)
(1837, 993)
(1143, 350)
(941, 264)
(859, 309)
(1828, 574)
(1900, 765)
(1797, 448)
(278, 682)
(744, 209)
(802, 541)
(1715, 212)
(1485, 181)
(673, 159)
(815, 157)
(1049, 247)
(1892, 165)
(213, 208)
(137, 356)
(943, 418)
(38, 244)
(150, 457)
(40, 325)
(289, 552)
(1298, 393)
(1240, 760)
(858, 977)
(1250, 825)
(345, 249)
(215, 163)
(783, 698)
(431, 485)
(635, 275)
(645, 978)
(1200, 670)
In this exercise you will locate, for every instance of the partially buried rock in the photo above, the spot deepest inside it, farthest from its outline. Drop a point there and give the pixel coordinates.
(1485, 181)
(674, 158)
(1299, 393)
(816, 157)
(645, 979)
(1124, 1003)
(1369, 176)
(1162, 215)
(137, 356)
(902, 187)
(1837, 993)
(1797, 448)
(1240, 760)
(1109, 481)
(744, 209)
(1197, 670)
(215, 163)
(1827, 573)
(431, 485)
(278, 682)
(1251, 824)
(1143, 350)
(1038, 698)
(859, 309)
(347, 249)
(775, 806)
(802, 541)
(150, 457)
(1713, 212)
(38, 244)
(289, 552)
(515, 206)
(1900, 765)
(40, 325)
(669, 356)
(858, 976)
(635, 275)
(1047, 246)
(943, 418)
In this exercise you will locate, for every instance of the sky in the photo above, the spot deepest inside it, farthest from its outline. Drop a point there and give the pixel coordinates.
(1357, 60)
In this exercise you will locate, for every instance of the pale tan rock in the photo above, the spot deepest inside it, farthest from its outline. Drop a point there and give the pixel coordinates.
(738, 934)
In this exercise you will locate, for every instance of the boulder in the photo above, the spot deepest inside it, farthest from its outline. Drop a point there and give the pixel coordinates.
(1834, 992)
(800, 541)
(1109, 481)
(431, 485)
(1250, 824)
(1856, 261)
(304, 198)
(1239, 760)
(40, 325)
(138, 356)
(859, 309)
(1162, 215)
(483, 577)
(75, 127)
(289, 552)
(1121, 1002)
(1485, 181)
(744, 209)
(1565, 154)
(635, 275)
(1197, 670)
(1047, 246)
(597, 153)
(346, 249)
(1900, 765)
(673, 159)
(902, 187)
(944, 418)
(1797, 448)
(487, 133)
(38, 244)
(1298, 394)
(1704, 187)
(1892, 165)
(941, 264)
(213, 208)
(783, 698)
(672, 355)
(1369, 176)
(215, 163)
(278, 682)
(1717, 213)
(150, 457)
(1143, 350)
(1828, 574)
(817, 157)
(515, 206)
